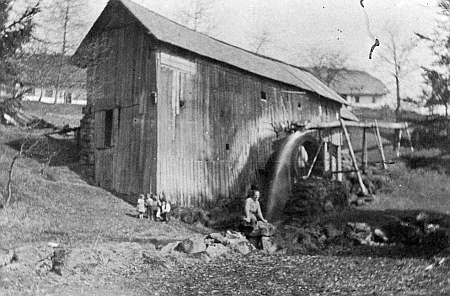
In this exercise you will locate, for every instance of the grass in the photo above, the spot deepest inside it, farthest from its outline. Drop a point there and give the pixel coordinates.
(52, 202)
(56, 114)
(423, 188)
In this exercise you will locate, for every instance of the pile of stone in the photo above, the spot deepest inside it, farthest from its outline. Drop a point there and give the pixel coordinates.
(37, 259)
(421, 230)
(316, 196)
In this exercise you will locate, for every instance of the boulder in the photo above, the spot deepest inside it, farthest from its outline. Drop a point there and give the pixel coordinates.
(218, 238)
(241, 246)
(216, 250)
(331, 231)
(169, 248)
(268, 245)
(262, 229)
(234, 235)
(192, 245)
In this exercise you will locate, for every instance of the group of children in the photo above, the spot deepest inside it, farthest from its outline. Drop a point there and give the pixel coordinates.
(156, 206)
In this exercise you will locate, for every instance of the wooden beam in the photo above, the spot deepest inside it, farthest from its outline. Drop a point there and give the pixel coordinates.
(339, 163)
(331, 124)
(314, 160)
(399, 140)
(352, 154)
(364, 150)
(409, 137)
(380, 145)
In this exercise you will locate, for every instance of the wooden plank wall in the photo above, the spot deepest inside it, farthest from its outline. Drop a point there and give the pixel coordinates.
(123, 81)
(223, 134)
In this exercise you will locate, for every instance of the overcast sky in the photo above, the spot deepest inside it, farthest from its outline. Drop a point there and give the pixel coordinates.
(340, 25)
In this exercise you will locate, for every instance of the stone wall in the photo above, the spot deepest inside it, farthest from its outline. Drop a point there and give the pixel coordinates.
(87, 140)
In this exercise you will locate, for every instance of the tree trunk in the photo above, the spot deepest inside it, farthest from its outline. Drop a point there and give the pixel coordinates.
(63, 50)
(397, 110)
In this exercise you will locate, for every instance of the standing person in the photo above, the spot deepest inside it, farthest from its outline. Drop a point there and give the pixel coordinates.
(165, 210)
(252, 209)
(149, 201)
(141, 206)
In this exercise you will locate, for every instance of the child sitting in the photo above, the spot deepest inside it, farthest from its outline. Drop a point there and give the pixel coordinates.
(141, 206)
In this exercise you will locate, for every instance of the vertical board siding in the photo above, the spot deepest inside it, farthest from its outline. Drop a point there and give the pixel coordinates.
(223, 108)
(122, 81)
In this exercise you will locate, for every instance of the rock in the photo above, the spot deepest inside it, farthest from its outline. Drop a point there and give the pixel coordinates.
(53, 245)
(268, 245)
(331, 231)
(209, 241)
(234, 235)
(241, 246)
(353, 199)
(216, 250)
(218, 238)
(191, 245)
(262, 229)
(328, 207)
(169, 248)
(6, 257)
(359, 227)
(380, 234)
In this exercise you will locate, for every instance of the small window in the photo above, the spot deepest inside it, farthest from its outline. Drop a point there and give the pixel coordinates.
(227, 147)
(320, 110)
(263, 96)
(299, 105)
(49, 93)
(108, 127)
(31, 91)
(374, 99)
(356, 99)
(68, 97)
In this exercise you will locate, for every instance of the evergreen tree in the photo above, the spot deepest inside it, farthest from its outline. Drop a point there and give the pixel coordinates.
(16, 28)
(437, 77)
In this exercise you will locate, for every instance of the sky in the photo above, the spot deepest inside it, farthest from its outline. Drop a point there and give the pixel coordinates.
(296, 26)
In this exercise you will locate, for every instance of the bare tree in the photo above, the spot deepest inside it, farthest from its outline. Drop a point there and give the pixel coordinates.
(198, 16)
(395, 57)
(261, 40)
(325, 64)
(64, 24)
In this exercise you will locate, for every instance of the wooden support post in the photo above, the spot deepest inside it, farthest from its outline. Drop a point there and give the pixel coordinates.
(326, 166)
(380, 145)
(352, 154)
(314, 161)
(409, 137)
(399, 140)
(339, 162)
(332, 160)
(364, 151)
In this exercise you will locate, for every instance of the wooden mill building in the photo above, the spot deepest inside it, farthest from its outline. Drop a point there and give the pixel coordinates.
(175, 111)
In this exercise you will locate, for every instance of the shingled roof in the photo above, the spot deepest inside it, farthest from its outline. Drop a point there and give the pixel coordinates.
(354, 82)
(175, 34)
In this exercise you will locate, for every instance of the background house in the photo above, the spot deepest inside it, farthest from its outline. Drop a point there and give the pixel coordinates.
(175, 111)
(359, 88)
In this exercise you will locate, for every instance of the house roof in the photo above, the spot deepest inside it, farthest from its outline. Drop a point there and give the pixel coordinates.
(175, 34)
(355, 82)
